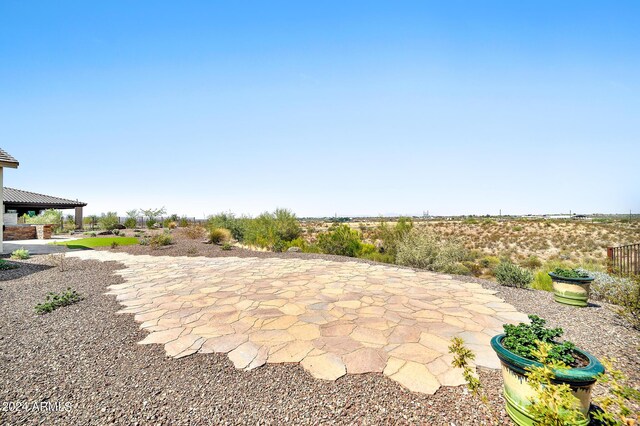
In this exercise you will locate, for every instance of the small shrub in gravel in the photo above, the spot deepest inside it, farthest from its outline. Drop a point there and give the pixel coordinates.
(57, 300)
(226, 246)
(194, 232)
(219, 235)
(160, 240)
(512, 275)
(20, 253)
(424, 249)
(5, 266)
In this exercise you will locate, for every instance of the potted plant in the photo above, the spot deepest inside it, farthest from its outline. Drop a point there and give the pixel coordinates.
(571, 286)
(516, 349)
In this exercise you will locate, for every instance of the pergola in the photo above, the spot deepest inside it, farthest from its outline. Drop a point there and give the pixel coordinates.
(6, 161)
(25, 202)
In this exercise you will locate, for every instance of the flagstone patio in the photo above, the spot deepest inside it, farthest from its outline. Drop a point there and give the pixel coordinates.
(333, 318)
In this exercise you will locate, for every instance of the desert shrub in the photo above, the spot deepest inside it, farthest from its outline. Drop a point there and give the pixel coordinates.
(130, 222)
(272, 230)
(424, 249)
(116, 232)
(390, 237)
(532, 262)
(473, 268)
(20, 253)
(108, 221)
(114, 244)
(159, 240)
(151, 223)
(512, 275)
(194, 232)
(226, 246)
(542, 281)
(229, 221)
(340, 240)
(132, 219)
(152, 215)
(56, 300)
(489, 262)
(219, 235)
(172, 225)
(621, 291)
(183, 222)
(5, 266)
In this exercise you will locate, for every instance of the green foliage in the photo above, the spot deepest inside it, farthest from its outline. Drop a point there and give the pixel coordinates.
(390, 237)
(183, 222)
(522, 340)
(532, 262)
(512, 275)
(489, 262)
(463, 358)
(340, 240)
(424, 249)
(114, 244)
(159, 240)
(272, 230)
(20, 253)
(219, 235)
(616, 404)
(55, 301)
(48, 217)
(542, 281)
(153, 214)
(5, 266)
(132, 219)
(228, 221)
(570, 273)
(109, 221)
(553, 404)
(627, 297)
(226, 246)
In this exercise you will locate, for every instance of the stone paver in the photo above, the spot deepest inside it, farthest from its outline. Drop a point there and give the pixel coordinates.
(333, 318)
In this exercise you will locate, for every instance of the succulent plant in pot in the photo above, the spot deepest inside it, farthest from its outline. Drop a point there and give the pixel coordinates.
(518, 351)
(571, 286)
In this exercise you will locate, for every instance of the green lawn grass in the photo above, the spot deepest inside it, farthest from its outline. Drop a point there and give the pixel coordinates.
(88, 243)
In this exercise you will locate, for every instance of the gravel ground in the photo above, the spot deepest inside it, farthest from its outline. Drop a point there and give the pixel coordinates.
(86, 356)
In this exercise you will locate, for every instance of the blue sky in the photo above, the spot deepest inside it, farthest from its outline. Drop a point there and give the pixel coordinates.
(348, 108)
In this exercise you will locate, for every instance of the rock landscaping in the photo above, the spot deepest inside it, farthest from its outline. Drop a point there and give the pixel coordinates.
(351, 364)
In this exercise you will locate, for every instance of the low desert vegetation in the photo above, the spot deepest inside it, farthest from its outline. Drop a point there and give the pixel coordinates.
(54, 301)
(512, 275)
(219, 235)
(5, 266)
(20, 254)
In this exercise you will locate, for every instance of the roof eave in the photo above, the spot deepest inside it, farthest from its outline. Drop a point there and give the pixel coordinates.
(10, 165)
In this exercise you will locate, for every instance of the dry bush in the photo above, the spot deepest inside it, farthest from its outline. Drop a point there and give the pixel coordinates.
(219, 235)
(194, 232)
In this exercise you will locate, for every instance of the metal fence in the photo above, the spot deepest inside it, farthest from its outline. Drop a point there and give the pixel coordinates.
(624, 260)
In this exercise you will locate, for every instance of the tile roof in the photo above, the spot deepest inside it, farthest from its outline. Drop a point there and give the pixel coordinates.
(13, 196)
(5, 157)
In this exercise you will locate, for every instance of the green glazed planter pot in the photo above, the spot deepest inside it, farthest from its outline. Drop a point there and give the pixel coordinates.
(518, 393)
(571, 291)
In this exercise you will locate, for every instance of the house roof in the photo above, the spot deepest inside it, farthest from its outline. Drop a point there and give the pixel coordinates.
(18, 198)
(6, 160)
